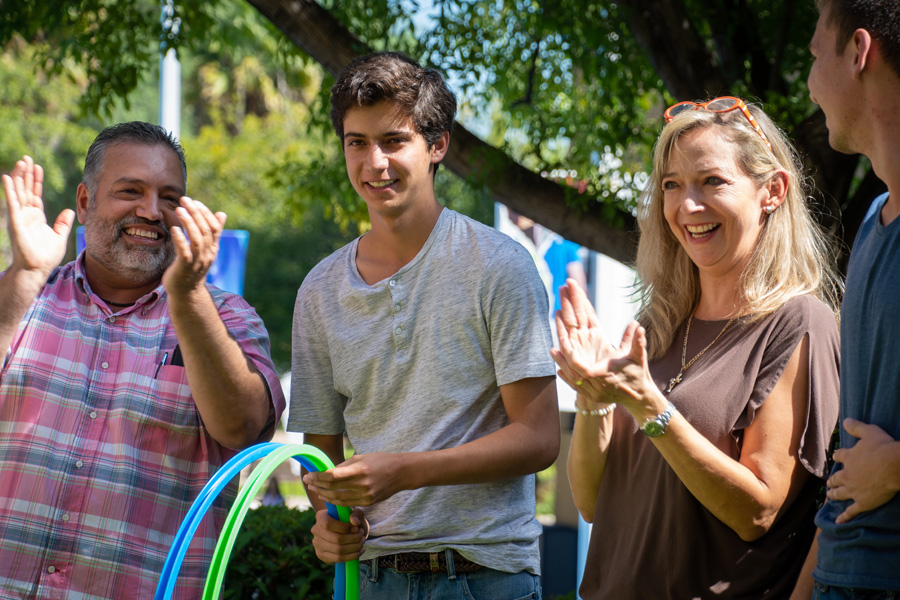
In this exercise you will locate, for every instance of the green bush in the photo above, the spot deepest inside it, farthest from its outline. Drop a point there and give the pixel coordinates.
(273, 558)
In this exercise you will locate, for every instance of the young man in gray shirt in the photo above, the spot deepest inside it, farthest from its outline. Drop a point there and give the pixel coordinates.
(426, 342)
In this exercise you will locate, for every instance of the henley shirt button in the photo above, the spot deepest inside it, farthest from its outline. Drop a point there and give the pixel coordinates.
(93, 414)
(51, 569)
(392, 283)
(78, 464)
(104, 364)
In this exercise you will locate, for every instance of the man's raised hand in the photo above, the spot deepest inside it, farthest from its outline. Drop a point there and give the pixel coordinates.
(196, 244)
(36, 246)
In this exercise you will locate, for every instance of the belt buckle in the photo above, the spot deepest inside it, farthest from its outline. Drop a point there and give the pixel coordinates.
(433, 562)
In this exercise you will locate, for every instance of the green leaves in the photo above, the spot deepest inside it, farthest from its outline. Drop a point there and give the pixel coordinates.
(568, 85)
(551, 84)
(113, 42)
(273, 558)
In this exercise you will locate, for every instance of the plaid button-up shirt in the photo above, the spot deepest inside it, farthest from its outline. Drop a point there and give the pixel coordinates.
(102, 450)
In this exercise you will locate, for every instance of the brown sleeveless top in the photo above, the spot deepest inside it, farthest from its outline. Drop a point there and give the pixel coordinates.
(651, 538)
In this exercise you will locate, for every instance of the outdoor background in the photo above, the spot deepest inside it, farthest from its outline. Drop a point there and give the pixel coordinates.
(560, 102)
(559, 105)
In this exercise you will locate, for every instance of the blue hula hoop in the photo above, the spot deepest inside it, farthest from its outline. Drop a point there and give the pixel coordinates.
(204, 501)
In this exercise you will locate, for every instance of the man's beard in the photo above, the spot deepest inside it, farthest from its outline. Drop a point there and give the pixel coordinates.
(134, 263)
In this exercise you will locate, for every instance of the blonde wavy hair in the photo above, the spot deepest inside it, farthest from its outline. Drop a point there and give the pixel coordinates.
(793, 255)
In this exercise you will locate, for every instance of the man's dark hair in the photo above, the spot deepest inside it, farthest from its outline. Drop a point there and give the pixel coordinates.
(394, 77)
(137, 132)
(881, 18)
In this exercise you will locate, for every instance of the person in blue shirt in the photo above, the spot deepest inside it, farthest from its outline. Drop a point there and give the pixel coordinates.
(855, 79)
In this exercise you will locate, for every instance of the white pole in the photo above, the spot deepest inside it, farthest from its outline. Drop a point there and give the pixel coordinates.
(169, 73)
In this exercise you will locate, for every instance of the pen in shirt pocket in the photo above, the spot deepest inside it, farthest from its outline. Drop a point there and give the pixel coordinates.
(161, 363)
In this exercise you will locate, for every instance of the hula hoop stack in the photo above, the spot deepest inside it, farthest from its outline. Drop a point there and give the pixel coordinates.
(346, 575)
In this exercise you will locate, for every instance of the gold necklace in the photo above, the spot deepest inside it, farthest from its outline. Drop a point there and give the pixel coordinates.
(684, 367)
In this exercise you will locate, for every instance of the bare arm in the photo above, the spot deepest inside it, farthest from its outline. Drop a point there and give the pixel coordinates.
(805, 583)
(229, 392)
(37, 247)
(529, 443)
(587, 460)
(750, 494)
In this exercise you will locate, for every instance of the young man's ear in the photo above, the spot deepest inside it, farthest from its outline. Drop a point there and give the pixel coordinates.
(82, 199)
(439, 149)
(861, 45)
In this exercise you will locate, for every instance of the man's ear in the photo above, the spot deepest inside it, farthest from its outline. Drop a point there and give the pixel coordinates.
(861, 45)
(82, 198)
(439, 149)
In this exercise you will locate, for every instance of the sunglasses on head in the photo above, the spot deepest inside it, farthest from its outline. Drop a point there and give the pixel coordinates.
(722, 104)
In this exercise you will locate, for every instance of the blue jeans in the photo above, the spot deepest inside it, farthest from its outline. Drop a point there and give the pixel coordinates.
(379, 583)
(831, 592)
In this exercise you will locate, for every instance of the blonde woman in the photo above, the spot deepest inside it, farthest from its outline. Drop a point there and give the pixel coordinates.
(700, 441)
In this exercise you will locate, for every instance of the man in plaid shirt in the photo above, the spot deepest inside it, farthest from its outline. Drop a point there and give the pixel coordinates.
(126, 379)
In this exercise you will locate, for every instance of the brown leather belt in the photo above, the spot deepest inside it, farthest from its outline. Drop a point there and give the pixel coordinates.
(425, 562)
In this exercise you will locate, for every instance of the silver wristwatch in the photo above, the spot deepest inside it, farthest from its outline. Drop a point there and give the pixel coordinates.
(656, 426)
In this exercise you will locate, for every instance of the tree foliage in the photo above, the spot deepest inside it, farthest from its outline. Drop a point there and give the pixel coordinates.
(564, 82)
(581, 85)
(227, 169)
(572, 87)
(114, 43)
(257, 147)
(34, 110)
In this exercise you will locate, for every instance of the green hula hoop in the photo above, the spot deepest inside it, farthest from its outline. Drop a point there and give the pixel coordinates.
(216, 575)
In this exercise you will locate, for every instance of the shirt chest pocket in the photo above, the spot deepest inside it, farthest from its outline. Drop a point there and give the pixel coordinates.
(167, 402)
